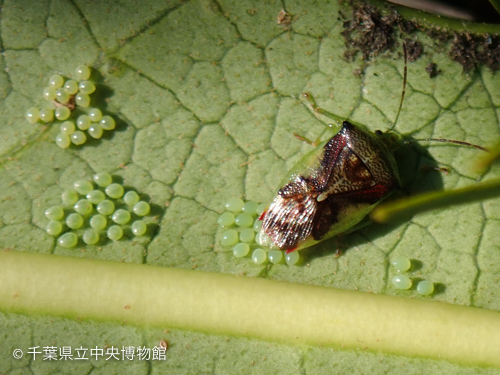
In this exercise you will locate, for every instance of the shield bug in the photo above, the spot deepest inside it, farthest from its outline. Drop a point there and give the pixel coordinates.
(333, 188)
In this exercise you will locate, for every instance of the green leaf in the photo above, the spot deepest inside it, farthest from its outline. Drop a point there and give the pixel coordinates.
(207, 97)
(496, 5)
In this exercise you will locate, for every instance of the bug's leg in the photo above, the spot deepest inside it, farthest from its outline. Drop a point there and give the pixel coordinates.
(423, 169)
(304, 139)
(308, 141)
(340, 246)
(319, 110)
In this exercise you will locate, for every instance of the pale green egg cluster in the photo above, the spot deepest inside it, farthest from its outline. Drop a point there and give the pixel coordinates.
(401, 281)
(94, 212)
(68, 99)
(242, 224)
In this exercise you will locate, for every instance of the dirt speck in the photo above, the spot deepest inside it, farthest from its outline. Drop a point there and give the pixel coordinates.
(432, 69)
(284, 18)
(358, 73)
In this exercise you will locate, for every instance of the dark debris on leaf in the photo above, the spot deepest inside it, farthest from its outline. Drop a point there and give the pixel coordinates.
(433, 70)
(372, 33)
(473, 50)
(413, 49)
(438, 35)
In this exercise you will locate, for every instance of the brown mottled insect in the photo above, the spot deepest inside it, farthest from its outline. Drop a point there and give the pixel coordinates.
(335, 186)
(331, 189)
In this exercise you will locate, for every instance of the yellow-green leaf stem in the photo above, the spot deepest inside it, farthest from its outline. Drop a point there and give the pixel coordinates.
(224, 304)
(403, 208)
(496, 5)
(432, 20)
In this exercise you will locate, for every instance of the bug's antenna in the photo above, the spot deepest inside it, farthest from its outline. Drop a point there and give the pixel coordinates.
(404, 86)
(461, 143)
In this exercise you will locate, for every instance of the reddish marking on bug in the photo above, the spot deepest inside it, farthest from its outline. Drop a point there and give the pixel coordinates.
(262, 215)
(290, 250)
(374, 192)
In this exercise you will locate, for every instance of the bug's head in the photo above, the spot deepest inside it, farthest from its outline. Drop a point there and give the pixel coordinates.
(391, 139)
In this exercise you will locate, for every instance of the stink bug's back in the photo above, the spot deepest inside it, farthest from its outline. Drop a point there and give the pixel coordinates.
(333, 188)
